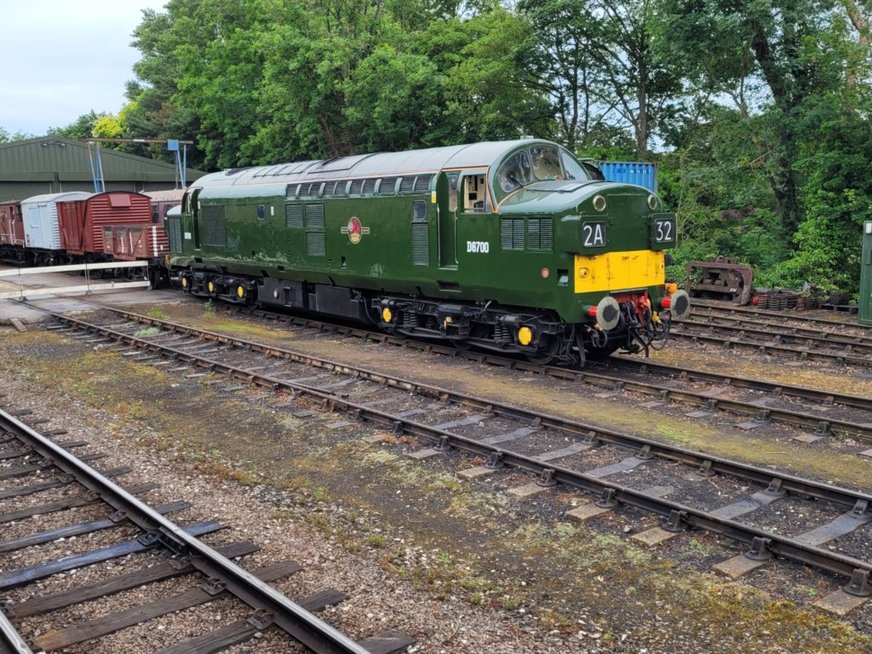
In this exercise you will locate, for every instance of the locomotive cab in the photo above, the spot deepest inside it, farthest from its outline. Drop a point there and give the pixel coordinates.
(611, 237)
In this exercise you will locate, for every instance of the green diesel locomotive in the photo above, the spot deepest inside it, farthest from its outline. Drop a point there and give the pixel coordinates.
(514, 246)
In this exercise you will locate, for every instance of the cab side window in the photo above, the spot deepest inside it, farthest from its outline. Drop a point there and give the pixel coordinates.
(474, 194)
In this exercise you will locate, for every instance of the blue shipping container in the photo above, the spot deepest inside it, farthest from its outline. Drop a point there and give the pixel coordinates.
(631, 172)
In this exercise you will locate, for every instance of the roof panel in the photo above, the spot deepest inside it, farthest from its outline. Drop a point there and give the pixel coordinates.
(476, 155)
(57, 197)
(68, 156)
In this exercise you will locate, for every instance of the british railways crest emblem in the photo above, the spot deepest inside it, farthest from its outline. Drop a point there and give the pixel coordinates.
(355, 230)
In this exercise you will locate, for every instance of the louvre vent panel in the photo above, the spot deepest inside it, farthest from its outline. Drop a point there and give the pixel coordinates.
(315, 216)
(369, 186)
(512, 234)
(294, 216)
(546, 234)
(357, 187)
(506, 235)
(420, 244)
(518, 234)
(540, 234)
(533, 233)
(315, 245)
(291, 191)
(212, 223)
(174, 232)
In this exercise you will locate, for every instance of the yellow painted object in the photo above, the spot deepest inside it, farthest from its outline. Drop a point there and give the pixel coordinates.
(240, 291)
(387, 314)
(525, 335)
(615, 271)
(671, 288)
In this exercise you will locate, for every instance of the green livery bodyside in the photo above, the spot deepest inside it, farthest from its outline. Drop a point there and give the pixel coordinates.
(518, 224)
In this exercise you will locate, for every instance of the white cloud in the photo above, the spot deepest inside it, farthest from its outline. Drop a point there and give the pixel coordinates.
(59, 59)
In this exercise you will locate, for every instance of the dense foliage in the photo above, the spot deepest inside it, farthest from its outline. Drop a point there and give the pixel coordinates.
(756, 111)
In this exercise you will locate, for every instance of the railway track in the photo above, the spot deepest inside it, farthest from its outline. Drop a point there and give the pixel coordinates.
(703, 309)
(828, 530)
(32, 465)
(819, 412)
(821, 346)
(838, 335)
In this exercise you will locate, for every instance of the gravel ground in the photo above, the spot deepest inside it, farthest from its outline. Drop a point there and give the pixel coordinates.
(458, 565)
(375, 602)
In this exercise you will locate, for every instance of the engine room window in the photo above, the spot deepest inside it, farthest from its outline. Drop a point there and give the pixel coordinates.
(419, 211)
(515, 172)
(261, 211)
(473, 193)
(546, 162)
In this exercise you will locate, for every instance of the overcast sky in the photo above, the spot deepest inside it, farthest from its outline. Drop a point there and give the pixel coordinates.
(61, 59)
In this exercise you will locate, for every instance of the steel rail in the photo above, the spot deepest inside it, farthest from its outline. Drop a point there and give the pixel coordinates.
(15, 642)
(646, 366)
(777, 544)
(589, 376)
(698, 303)
(571, 427)
(784, 336)
(710, 315)
(679, 331)
(779, 330)
(287, 615)
(586, 375)
(792, 417)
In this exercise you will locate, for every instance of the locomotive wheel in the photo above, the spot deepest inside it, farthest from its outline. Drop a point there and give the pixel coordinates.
(549, 347)
(602, 353)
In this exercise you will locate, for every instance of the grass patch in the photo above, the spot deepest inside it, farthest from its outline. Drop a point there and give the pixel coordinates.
(376, 541)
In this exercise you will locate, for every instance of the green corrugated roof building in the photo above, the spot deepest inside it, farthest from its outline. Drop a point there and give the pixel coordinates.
(52, 165)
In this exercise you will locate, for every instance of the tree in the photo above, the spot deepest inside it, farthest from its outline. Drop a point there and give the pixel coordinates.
(563, 64)
(778, 43)
(642, 85)
(489, 91)
(82, 126)
(598, 62)
(158, 111)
